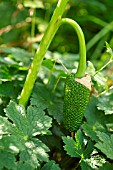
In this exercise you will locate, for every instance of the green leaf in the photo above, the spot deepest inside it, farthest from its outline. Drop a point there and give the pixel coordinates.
(101, 81)
(105, 144)
(43, 98)
(17, 115)
(108, 49)
(7, 89)
(34, 153)
(18, 54)
(95, 120)
(9, 144)
(5, 126)
(106, 103)
(38, 122)
(7, 160)
(48, 63)
(24, 166)
(93, 163)
(70, 147)
(99, 78)
(24, 128)
(106, 166)
(77, 148)
(50, 166)
(90, 68)
(84, 165)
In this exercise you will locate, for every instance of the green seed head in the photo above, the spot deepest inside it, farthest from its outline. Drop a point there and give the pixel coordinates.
(76, 97)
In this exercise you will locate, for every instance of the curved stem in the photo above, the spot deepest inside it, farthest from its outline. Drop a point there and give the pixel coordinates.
(47, 38)
(53, 26)
(82, 47)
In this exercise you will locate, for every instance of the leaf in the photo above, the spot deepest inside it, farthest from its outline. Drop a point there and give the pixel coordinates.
(105, 144)
(50, 166)
(84, 165)
(93, 163)
(4, 126)
(70, 146)
(95, 120)
(106, 166)
(38, 122)
(18, 54)
(34, 153)
(55, 110)
(17, 114)
(9, 144)
(7, 89)
(7, 160)
(48, 63)
(101, 81)
(108, 49)
(77, 148)
(24, 166)
(43, 98)
(106, 103)
(90, 68)
(24, 128)
(99, 78)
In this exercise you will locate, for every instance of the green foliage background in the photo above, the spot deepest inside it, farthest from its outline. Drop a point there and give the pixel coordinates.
(34, 137)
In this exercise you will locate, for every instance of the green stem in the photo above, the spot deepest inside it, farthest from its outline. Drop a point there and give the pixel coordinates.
(82, 51)
(47, 38)
(109, 62)
(53, 26)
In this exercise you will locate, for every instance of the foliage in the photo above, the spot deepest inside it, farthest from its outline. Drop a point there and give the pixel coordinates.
(34, 137)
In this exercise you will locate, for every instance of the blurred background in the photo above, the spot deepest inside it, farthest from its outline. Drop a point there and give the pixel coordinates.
(23, 23)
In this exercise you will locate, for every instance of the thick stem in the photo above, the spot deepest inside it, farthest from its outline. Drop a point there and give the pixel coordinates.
(47, 38)
(82, 47)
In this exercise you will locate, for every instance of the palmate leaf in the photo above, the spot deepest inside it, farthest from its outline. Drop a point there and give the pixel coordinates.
(18, 137)
(43, 97)
(105, 144)
(77, 148)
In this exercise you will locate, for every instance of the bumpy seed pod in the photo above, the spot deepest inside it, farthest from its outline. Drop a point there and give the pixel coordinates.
(76, 97)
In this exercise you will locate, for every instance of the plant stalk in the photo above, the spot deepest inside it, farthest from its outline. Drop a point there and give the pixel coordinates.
(46, 40)
(82, 47)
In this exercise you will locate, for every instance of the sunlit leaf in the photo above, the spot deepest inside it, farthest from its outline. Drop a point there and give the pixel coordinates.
(106, 102)
(105, 144)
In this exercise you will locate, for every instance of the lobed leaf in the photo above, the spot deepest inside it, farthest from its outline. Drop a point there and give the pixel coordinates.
(77, 148)
(38, 122)
(18, 135)
(43, 98)
(105, 144)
